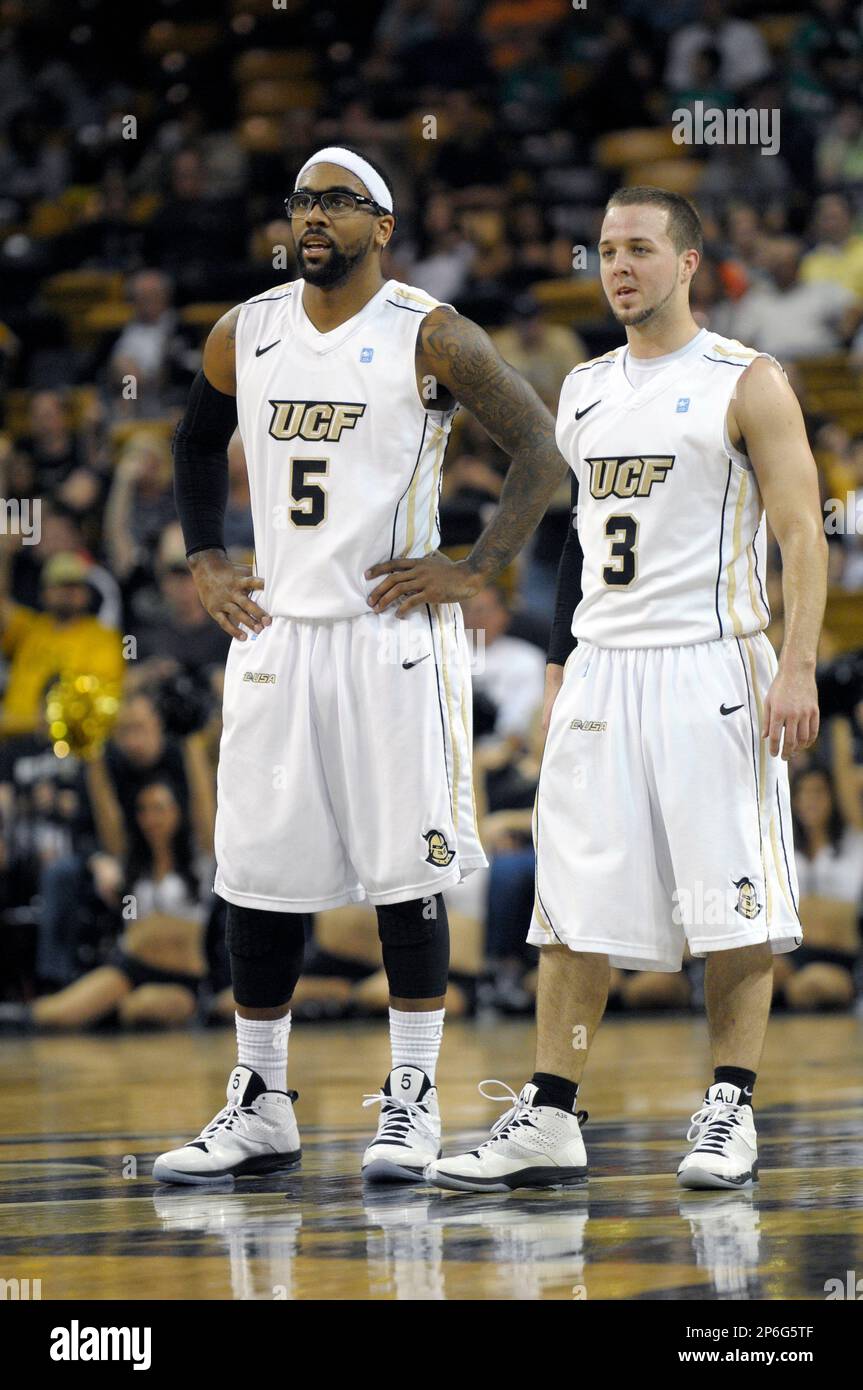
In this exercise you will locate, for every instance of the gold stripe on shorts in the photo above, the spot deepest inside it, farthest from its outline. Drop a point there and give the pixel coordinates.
(456, 757)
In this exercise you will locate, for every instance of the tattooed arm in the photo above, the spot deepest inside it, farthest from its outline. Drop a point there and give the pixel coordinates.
(463, 361)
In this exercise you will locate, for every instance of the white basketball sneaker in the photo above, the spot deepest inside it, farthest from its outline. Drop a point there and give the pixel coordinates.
(530, 1146)
(725, 1149)
(255, 1133)
(408, 1134)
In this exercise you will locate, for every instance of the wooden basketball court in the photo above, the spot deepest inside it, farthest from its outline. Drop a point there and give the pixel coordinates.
(84, 1117)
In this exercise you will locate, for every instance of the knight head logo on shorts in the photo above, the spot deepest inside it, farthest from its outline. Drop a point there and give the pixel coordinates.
(439, 853)
(747, 898)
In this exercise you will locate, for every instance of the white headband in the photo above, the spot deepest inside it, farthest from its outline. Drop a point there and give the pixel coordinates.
(346, 159)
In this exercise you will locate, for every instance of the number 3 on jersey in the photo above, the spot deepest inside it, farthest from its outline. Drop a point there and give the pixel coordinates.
(310, 497)
(622, 531)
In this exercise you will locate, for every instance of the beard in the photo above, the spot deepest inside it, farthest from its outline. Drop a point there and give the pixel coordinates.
(334, 271)
(643, 315)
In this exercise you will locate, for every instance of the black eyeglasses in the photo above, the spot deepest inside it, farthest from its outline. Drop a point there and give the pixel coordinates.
(335, 203)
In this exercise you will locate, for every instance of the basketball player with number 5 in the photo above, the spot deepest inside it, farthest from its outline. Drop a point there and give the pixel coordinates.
(345, 761)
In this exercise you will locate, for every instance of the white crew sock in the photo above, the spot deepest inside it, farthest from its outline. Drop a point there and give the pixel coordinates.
(262, 1044)
(416, 1038)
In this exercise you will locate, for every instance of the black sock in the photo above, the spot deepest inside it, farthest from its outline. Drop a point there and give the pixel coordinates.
(737, 1076)
(555, 1090)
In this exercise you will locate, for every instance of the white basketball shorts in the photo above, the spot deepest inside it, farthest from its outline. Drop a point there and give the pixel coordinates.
(660, 815)
(345, 762)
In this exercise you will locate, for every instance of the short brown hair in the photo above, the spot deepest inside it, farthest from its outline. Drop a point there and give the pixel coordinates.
(684, 224)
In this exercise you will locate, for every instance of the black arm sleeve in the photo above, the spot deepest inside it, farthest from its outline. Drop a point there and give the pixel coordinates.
(201, 465)
(568, 590)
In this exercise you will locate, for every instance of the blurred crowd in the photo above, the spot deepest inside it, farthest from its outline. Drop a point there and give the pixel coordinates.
(145, 157)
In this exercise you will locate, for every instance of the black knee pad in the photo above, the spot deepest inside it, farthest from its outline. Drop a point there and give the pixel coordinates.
(415, 941)
(266, 954)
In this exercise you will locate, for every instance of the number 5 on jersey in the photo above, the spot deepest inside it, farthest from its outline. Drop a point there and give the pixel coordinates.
(311, 498)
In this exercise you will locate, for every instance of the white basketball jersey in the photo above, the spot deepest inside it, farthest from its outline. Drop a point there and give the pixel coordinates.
(344, 461)
(670, 516)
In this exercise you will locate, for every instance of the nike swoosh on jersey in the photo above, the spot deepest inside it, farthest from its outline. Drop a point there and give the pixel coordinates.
(579, 413)
(729, 709)
(406, 665)
(259, 351)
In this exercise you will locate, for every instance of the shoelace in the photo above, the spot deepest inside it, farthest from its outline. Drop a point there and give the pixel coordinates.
(399, 1116)
(713, 1126)
(513, 1118)
(518, 1115)
(232, 1118)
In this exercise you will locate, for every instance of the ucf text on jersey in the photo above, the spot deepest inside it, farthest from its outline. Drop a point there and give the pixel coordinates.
(344, 459)
(670, 517)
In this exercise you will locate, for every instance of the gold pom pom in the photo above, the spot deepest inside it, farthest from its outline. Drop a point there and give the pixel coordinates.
(81, 711)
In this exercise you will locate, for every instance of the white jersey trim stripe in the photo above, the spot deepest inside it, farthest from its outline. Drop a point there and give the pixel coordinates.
(453, 742)
(446, 750)
(437, 481)
(731, 580)
(541, 910)
(785, 855)
(772, 822)
(764, 604)
(410, 484)
(721, 542)
(751, 569)
(784, 880)
(466, 725)
(410, 532)
(779, 874)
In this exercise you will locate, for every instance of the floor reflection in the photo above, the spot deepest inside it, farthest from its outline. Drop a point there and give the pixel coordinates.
(83, 1122)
